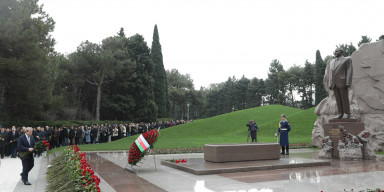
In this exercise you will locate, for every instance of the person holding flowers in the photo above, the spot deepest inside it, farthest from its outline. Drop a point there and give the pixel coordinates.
(26, 144)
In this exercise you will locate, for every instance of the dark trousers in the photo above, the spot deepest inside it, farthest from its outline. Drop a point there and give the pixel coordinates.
(27, 166)
(13, 151)
(342, 100)
(2, 152)
(7, 150)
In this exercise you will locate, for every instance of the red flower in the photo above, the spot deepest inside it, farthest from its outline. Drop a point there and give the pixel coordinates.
(183, 161)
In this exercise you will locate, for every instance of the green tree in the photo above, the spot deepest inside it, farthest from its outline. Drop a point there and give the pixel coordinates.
(348, 49)
(320, 65)
(273, 88)
(26, 70)
(240, 96)
(139, 52)
(380, 38)
(364, 39)
(96, 66)
(307, 85)
(253, 95)
(121, 32)
(179, 86)
(118, 100)
(159, 76)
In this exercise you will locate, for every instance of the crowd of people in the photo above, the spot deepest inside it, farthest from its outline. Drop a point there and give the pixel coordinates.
(77, 135)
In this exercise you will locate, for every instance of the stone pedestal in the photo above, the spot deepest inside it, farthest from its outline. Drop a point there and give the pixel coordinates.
(331, 129)
(220, 153)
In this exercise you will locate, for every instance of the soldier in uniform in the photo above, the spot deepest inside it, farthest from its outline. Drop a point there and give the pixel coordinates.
(283, 130)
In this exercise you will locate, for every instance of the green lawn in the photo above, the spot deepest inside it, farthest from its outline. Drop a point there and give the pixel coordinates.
(227, 128)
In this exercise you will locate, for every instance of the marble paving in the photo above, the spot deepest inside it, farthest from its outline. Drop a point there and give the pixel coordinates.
(151, 176)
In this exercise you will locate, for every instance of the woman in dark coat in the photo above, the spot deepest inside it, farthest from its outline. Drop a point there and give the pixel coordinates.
(284, 128)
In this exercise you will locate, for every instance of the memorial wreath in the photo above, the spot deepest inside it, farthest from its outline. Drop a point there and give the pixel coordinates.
(141, 145)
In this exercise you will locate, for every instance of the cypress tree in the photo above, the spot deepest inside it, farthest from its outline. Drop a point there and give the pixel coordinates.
(320, 93)
(159, 76)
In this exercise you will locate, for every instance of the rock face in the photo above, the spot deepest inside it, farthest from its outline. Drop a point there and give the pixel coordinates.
(366, 95)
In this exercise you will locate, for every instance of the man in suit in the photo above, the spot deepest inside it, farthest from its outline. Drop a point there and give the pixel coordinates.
(340, 79)
(26, 144)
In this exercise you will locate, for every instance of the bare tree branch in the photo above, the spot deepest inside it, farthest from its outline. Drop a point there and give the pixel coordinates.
(93, 83)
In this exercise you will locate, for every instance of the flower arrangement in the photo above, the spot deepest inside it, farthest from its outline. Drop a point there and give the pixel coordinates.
(135, 154)
(41, 146)
(177, 161)
(71, 172)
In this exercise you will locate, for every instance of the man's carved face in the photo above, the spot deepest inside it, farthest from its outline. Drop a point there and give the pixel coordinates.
(338, 53)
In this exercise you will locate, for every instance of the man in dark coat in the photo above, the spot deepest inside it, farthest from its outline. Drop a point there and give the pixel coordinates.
(12, 141)
(64, 136)
(26, 144)
(79, 133)
(284, 128)
(71, 136)
(93, 134)
(3, 142)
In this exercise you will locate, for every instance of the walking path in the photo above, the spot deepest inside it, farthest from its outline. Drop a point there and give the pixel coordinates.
(10, 170)
(10, 180)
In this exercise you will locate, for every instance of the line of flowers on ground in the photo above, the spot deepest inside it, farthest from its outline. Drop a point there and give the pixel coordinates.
(71, 172)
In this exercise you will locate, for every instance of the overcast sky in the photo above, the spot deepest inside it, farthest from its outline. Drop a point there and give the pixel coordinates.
(214, 39)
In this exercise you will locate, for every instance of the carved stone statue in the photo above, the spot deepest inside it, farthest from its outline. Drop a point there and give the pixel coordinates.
(340, 79)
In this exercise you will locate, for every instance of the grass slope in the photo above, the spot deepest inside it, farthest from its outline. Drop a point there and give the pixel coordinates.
(227, 128)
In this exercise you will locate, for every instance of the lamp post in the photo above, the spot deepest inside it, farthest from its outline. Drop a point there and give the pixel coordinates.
(188, 112)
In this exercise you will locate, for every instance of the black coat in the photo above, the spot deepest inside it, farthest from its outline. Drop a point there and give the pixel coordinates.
(3, 139)
(71, 133)
(12, 138)
(79, 133)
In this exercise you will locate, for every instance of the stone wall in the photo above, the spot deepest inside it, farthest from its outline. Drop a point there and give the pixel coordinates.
(366, 95)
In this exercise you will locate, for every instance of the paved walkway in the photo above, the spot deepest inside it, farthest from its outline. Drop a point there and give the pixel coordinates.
(356, 175)
(10, 179)
(10, 169)
(341, 175)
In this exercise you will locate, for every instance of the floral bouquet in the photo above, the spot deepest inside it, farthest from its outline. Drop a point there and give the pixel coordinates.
(24, 155)
(139, 147)
(41, 146)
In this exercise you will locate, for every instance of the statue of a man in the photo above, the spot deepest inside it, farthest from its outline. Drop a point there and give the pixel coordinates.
(340, 79)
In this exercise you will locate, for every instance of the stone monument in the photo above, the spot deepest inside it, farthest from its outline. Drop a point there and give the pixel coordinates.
(365, 97)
